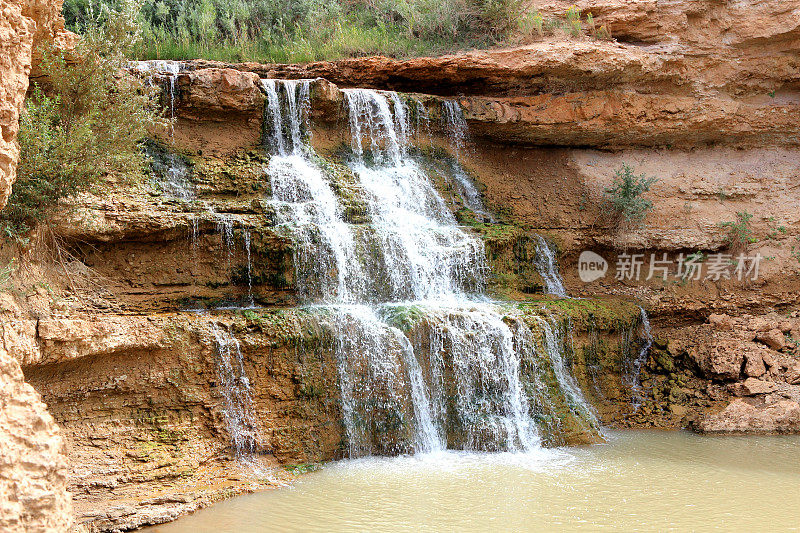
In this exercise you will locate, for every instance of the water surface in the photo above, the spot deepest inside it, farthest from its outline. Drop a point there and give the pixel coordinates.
(640, 480)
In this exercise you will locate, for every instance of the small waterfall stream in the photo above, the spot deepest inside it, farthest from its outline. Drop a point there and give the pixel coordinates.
(547, 266)
(167, 68)
(235, 387)
(425, 360)
(632, 372)
(455, 125)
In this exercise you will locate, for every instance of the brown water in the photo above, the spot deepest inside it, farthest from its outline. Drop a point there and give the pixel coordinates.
(640, 480)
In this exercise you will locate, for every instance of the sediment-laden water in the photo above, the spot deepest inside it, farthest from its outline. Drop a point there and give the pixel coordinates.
(655, 481)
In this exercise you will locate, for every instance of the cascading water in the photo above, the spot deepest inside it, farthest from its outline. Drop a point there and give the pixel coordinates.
(164, 67)
(632, 369)
(547, 266)
(455, 125)
(554, 344)
(425, 361)
(235, 388)
(171, 172)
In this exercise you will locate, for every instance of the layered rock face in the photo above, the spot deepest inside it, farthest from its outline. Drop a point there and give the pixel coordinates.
(33, 477)
(703, 96)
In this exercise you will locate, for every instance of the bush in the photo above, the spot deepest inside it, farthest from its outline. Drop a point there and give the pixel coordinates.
(739, 232)
(86, 123)
(624, 196)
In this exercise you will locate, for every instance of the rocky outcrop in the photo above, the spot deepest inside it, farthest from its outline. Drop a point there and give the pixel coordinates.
(742, 360)
(33, 493)
(619, 119)
(680, 74)
(33, 469)
(768, 416)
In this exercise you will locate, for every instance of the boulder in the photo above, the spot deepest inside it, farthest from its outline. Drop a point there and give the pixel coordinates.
(753, 387)
(751, 416)
(214, 91)
(720, 322)
(773, 338)
(721, 360)
(754, 364)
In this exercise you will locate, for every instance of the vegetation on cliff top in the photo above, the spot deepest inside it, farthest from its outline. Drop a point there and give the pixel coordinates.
(309, 30)
(86, 121)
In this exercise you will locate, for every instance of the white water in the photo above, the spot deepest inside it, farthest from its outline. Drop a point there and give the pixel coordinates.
(235, 388)
(171, 173)
(632, 371)
(454, 377)
(547, 266)
(167, 68)
(455, 125)
(569, 385)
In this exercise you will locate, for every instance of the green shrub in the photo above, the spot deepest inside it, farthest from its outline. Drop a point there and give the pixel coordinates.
(629, 208)
(739, 232)
(86, 123)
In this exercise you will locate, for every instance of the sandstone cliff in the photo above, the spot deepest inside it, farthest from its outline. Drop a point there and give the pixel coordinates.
(33, 468)
(33, 493)
(702, 95)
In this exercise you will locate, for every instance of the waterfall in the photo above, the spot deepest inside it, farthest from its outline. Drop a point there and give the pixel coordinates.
(455, 126)
(479, 350)
(547, 266)
(171, 172)
(287, 128)
(632, 370)
(164, 67)
(425, 361)
(235, 388)
(554, 344)
(427, 256)
(249, 268)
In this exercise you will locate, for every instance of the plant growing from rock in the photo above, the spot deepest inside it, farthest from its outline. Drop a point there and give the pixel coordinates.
(739, 233)
(625, 198)
(86, 121)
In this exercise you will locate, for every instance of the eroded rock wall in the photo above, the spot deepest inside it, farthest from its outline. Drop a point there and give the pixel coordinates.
(33, 475)
(33, 467)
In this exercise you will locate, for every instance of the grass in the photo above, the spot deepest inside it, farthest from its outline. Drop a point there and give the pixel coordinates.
(299, 31)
